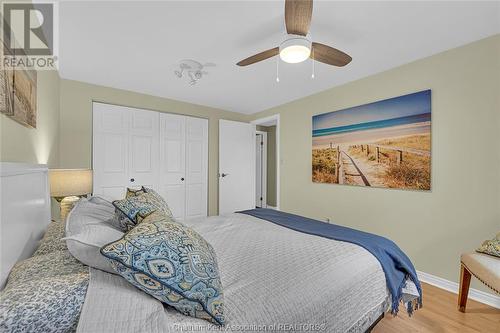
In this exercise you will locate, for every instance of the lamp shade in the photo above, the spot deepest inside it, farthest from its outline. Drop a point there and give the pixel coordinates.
(68, 182)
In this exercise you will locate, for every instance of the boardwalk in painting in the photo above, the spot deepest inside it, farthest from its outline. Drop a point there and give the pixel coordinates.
(382, 144)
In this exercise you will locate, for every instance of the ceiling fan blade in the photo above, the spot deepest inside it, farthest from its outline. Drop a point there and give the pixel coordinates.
(298, 15)
(259, 57)
(329, 55)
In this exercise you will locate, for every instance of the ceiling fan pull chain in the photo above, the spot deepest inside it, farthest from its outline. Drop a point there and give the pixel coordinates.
(277, 69)
(312, 60)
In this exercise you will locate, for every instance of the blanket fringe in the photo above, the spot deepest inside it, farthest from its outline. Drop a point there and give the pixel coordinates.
(412, 305)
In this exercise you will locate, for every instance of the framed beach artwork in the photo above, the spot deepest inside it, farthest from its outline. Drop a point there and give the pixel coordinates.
(381, 144)
(18, 94)
(6, 89)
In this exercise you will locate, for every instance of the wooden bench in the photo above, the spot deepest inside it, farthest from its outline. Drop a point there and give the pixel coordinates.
(484, 267)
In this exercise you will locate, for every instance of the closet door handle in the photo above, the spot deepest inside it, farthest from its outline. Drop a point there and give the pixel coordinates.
(132, 180)
(182, 179)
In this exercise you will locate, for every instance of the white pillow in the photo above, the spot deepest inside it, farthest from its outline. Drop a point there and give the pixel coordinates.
(88, 229)
(88, 211)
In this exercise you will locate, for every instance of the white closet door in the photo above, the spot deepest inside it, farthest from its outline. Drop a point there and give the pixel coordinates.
(144, 148)
(172, 162)
(196, 167)
(110, 150)
(167, 152)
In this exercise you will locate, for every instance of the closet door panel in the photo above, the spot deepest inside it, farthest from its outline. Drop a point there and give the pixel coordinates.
(144, 148)
(196, 167)
(195, 201)
(174, 196)
(110, 150)
(172, 162)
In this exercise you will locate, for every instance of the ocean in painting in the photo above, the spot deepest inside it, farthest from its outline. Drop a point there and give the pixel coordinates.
(381, 144)
(418, 118)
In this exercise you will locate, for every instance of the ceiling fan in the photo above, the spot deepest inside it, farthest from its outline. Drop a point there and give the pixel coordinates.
(297, 47)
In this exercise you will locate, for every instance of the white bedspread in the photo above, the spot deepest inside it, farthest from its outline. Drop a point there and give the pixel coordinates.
(274, 278)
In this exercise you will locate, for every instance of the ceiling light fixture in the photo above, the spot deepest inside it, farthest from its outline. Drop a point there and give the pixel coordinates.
(193, 69)
(295, 49)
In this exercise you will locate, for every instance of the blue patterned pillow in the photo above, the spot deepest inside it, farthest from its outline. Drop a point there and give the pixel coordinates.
(142, 204)
(132, 192)
(172, 263)
(158, 199)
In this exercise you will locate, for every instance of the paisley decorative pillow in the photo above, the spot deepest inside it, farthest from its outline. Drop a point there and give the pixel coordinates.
(491, 247)
(154, 216)
(134, 192)
(142, 204)
(121, 221)
(172, 263)
(160, 201)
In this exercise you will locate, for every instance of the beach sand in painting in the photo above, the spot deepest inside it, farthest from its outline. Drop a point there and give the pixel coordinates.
(376, 146)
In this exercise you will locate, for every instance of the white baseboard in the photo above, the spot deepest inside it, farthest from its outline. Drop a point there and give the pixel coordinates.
(477, 295)
(271, 207)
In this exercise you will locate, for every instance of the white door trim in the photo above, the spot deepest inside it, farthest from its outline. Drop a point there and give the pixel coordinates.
(275, 117)
(264, 168)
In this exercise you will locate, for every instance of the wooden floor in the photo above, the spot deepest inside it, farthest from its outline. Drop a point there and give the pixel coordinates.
(440, 314)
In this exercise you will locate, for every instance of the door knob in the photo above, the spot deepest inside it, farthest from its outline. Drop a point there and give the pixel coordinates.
(132, 180)
(182, 179)
(224, 175)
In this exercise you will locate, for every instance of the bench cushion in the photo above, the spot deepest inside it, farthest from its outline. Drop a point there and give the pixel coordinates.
(484, 267)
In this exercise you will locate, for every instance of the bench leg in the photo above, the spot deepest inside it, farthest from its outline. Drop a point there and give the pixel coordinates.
(463, 292)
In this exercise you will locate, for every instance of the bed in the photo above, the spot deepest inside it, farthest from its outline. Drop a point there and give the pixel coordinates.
(274, 279)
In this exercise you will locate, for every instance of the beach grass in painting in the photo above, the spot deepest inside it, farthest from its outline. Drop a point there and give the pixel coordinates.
(381, 144)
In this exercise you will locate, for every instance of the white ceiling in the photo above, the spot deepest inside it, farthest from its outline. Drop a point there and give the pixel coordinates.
(136, 45)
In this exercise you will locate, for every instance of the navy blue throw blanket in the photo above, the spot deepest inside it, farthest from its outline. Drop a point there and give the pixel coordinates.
(396, 265)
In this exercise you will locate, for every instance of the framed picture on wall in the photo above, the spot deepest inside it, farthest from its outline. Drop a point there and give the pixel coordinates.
(6, 89)
(18, 94)
(381, 144)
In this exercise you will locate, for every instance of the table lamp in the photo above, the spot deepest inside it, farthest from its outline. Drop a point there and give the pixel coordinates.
(68, 185)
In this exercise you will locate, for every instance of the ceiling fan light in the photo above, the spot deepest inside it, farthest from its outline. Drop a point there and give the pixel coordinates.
(295, 50)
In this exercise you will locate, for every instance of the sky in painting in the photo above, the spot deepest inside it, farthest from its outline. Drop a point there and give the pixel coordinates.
(397, 107)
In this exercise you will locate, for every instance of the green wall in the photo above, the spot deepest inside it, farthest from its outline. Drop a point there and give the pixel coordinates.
(35, 145)
(463, 209)
(75, 144)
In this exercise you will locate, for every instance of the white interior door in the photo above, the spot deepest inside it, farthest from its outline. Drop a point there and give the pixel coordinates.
(258, 170)
(144, 142)
(173, 162)
(110, 150)
(236, 166)
(196, 167)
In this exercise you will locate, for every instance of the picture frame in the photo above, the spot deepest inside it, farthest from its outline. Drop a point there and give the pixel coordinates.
(381, 144)
(18, 93)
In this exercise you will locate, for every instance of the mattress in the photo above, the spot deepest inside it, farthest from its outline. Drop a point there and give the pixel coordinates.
(274, 279)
